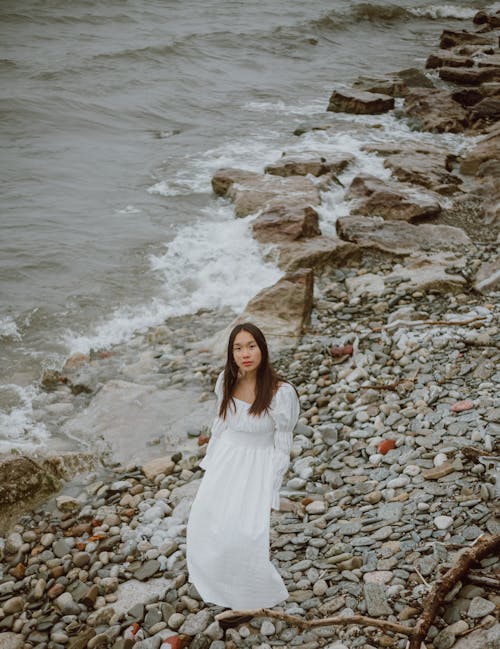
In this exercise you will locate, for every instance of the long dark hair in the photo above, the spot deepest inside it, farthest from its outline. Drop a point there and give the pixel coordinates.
(267, 378)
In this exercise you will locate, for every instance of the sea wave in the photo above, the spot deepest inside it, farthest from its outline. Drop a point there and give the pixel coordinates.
(197, 271)
(436, 12)
(18, 426)
(8, 329)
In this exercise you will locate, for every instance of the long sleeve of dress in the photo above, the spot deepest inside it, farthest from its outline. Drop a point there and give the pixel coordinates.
(285, 413)
(217, 426)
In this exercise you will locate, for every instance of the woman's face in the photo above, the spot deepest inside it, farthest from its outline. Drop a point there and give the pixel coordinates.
(246, 352)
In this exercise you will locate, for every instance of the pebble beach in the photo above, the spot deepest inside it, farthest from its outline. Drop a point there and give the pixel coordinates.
(388, 328)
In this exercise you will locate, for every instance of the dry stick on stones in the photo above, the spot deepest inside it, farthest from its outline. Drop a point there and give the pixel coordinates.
(488, 545)
(439, 323)
(484, 580)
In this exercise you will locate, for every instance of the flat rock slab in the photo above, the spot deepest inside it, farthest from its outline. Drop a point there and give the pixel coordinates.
(252, 192)
(359, 102)
(316, 253)
(449, 59)
(399, 238)
(394, 84)
(391, 200)
(426, 170)
(123, 416)
(452, 38)
(469, 76)
(310, 163)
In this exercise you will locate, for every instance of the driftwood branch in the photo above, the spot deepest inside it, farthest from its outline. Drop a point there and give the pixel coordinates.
(434, 599)
(436, 323)
(299, 622)
(485, 546)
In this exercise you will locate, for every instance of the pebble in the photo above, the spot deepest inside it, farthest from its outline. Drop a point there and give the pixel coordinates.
(443, 522)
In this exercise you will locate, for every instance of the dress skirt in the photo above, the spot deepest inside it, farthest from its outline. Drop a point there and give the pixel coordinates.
(228, 530)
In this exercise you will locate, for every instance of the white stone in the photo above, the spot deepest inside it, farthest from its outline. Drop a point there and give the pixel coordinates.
(400, 481)
(440, 459)
(316, 507)
(267, 628)
(443, 522)
(412, 470)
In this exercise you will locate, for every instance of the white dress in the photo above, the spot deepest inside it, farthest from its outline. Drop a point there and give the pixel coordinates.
(228, 528)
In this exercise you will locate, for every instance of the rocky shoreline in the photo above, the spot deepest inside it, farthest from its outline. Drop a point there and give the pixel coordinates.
(395, 459)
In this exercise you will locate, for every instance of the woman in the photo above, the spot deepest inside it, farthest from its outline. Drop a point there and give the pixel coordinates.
(246, 459)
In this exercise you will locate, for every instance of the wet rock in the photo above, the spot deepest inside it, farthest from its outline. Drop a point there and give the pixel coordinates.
(316, 253)
(286, 223)
(23, 479)
(435, 111)
(469, 76)
(425, 169)
(359, 102)
(448, 59)
(310, 163)
(453, 38)
(391, 200)
(252, 192)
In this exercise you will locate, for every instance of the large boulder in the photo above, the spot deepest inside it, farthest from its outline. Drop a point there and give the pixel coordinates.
(281, 311)
(22, 478)
(287, 304)
(426, 170)
(252, 192)
(310, 163)
(391, 200)
(453, 38)
(359, 102)
(286, 223)
(435, 111)
(316, 253)
(399, 238)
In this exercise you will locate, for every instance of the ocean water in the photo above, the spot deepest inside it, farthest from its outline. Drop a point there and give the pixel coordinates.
(114, 116)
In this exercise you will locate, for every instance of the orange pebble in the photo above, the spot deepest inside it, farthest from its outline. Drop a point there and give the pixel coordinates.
(385, 446)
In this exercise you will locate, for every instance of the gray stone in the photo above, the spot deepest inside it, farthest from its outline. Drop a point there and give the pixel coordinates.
(479, 607)
(376, 600)
(196, 623)
(67, 605)
(147, 569)
(149, 643)
(481, 639)
(60, 548)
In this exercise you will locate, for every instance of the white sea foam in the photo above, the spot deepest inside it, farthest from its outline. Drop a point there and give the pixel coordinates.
(303, 109)
(444, 11)
(211, 264)
(18, 429)
(195, 176)
(8, 328)
(129, 209)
